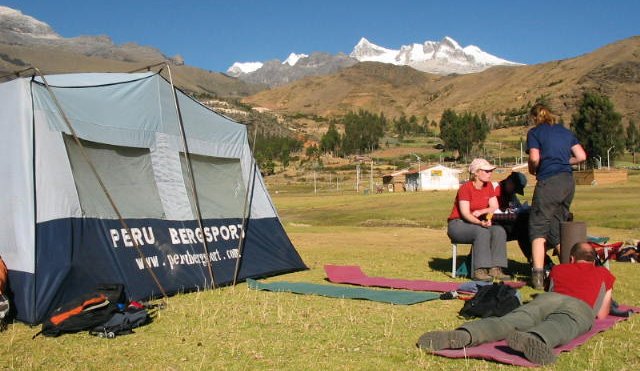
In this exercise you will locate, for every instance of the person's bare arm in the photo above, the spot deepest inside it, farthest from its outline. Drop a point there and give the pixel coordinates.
(605, 307)
(493, 204)
(578, 153)
(467, 215)
(534, 160)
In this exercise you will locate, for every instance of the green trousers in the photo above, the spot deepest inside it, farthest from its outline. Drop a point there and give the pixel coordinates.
(556, 318)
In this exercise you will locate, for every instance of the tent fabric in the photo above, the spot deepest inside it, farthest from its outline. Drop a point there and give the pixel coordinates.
(500, 352)
(62, 236)
(341, 292)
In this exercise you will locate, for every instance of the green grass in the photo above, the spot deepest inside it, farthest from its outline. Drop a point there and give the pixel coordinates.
(394, 235)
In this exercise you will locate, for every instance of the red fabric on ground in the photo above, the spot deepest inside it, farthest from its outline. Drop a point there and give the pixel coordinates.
(352, 274)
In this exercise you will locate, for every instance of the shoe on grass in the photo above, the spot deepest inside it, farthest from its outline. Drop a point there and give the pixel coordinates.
(481, 274)
(497, 273)
(534, 348)
(437, 340)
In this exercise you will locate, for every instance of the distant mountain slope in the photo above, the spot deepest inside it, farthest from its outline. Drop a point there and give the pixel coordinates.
(26, 41)
(276, 73)
(613, 70)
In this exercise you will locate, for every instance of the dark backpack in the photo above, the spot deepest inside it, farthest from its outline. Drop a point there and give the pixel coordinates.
(493, 300)
(122, 323)
(84, 312)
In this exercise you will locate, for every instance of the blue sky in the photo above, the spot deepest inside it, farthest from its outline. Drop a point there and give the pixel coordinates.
(214, 34)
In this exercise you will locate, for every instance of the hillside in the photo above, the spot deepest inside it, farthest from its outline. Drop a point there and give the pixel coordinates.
(59, 60)
(613, 70)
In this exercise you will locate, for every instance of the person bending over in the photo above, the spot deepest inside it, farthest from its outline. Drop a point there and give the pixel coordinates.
(581, 291)
(517, 226)
(468, 223)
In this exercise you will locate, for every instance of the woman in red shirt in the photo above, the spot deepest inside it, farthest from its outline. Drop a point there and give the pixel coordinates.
(468, 223)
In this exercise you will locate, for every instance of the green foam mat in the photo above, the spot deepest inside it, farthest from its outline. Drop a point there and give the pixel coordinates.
(383, 296)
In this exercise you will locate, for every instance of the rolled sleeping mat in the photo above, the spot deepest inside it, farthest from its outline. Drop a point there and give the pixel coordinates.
(570, 234)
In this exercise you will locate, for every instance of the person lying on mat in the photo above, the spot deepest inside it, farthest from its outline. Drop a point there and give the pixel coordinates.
(469, 222)
(580, 292)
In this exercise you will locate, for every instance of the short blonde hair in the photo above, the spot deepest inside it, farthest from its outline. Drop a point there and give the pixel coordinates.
(541, 114)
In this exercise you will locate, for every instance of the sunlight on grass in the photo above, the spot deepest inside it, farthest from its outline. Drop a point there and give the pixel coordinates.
(394, 235)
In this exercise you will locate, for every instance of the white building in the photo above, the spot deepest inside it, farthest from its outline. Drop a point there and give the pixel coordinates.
(438, 177)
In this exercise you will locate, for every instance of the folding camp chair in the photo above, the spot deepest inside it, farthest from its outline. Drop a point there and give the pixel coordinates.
(462, 270)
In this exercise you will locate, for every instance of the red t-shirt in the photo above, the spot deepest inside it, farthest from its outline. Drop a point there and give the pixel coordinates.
(581, 280)
(478, 198)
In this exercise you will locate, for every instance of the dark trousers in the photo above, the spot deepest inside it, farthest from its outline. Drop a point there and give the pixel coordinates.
(552, 198)
(518, 230)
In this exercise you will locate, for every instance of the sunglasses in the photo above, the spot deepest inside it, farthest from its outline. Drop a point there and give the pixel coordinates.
(487, 171)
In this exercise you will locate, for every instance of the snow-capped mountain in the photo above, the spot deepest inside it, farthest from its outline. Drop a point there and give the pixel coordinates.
(294, 58)
(295, 67)
(239, 68)
(366, 51)
(444, 57)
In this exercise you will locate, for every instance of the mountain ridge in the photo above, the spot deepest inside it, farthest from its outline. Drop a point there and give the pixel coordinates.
(613, 70)
(443, 57)
(26, 41)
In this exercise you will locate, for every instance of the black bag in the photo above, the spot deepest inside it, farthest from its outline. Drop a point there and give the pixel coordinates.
(84, 312)
(122, 323)
(494, 300)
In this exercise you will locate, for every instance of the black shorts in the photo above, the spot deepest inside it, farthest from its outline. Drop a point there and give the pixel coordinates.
(550, 207)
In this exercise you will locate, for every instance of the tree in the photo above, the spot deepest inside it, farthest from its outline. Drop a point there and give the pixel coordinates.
(462, 133)
(402, 126)
(269, 148)
(312, 151)
(598, 126)
(330, 141)
(362, 131)
(633, 139)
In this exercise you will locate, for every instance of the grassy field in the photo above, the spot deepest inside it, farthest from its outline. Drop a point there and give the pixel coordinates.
(394, 235)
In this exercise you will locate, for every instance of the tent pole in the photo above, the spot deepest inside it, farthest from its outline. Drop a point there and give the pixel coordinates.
(149, 67)
(95, 172)
(191, 177)
(245, 213)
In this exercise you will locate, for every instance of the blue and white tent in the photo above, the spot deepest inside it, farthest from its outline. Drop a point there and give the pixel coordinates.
(119, 178)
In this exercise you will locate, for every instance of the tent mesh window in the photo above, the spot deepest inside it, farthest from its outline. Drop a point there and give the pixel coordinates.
(128, 177)
(221, 191)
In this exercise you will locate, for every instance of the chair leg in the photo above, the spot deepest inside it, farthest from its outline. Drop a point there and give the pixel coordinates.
(454, 255)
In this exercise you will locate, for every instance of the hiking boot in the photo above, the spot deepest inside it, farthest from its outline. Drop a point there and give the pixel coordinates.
(533, 347)
(481, 274)
(497, 273)
(537, 279)
(437, 340)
